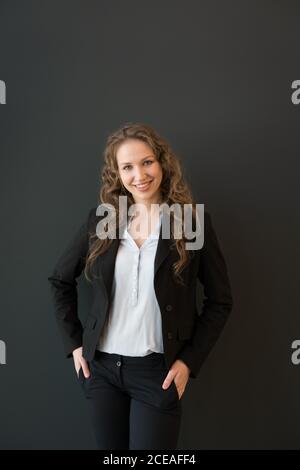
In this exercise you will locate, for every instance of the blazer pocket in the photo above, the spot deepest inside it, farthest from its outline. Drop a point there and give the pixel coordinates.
(185, 331)
(79, 374)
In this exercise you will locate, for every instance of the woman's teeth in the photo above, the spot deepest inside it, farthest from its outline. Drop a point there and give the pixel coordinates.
(143, 186)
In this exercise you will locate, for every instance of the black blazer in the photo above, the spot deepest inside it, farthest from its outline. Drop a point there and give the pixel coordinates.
(186, 334)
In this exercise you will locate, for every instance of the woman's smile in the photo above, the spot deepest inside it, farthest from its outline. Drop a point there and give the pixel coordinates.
(143, 187)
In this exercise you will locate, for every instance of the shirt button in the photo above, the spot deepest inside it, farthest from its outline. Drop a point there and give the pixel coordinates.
(118, 363)
(169, 308)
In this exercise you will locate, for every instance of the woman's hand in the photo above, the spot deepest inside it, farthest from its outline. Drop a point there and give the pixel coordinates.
(79, 362)
(179, 371)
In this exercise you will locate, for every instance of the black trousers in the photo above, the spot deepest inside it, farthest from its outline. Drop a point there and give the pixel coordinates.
(128, 406)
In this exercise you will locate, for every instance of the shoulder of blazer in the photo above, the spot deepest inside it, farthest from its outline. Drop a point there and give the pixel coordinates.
(207, 228)
(197, 253)
(93, 219)
(207, 220)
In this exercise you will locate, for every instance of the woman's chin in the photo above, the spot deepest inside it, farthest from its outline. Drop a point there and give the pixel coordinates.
(144, 196)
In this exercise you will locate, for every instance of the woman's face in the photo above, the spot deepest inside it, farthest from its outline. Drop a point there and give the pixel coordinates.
(140, 171)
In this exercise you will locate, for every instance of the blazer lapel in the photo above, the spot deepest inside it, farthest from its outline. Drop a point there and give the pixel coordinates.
(105, 265)
(163, 249)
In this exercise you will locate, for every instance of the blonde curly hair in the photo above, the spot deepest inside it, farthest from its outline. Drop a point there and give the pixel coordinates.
(173, 188)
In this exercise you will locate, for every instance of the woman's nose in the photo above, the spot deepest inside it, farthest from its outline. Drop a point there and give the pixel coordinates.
(139, 174)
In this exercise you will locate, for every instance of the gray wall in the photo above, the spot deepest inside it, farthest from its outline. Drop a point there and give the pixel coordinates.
(214, 78)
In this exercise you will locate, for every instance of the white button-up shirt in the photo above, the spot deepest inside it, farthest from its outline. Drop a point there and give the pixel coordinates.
(133, 326)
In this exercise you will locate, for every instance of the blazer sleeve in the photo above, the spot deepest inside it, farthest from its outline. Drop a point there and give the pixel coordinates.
(64, 287)
(217, 303)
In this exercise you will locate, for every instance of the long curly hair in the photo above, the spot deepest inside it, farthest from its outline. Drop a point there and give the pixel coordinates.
(173, 189)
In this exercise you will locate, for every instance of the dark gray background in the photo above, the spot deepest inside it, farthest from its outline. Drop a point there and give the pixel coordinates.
(214, 78)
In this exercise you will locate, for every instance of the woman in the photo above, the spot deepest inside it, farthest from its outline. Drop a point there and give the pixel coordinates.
(143, 338)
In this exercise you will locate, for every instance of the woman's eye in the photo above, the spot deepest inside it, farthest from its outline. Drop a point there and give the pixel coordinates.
(129, 166)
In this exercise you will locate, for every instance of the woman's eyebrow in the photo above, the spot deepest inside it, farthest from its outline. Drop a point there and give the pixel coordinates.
(145, 158)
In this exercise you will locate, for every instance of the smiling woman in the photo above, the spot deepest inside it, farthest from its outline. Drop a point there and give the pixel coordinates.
(136, 155)
(143, 339)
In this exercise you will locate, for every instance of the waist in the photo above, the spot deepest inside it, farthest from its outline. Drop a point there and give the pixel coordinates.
(149, 358)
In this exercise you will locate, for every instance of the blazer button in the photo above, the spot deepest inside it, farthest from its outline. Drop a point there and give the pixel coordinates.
(169, 308)
(170, 336)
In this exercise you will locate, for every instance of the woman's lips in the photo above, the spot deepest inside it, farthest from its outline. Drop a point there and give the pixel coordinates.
(143, 187)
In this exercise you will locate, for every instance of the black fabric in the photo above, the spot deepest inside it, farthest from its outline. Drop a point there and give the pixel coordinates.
(129, 408)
